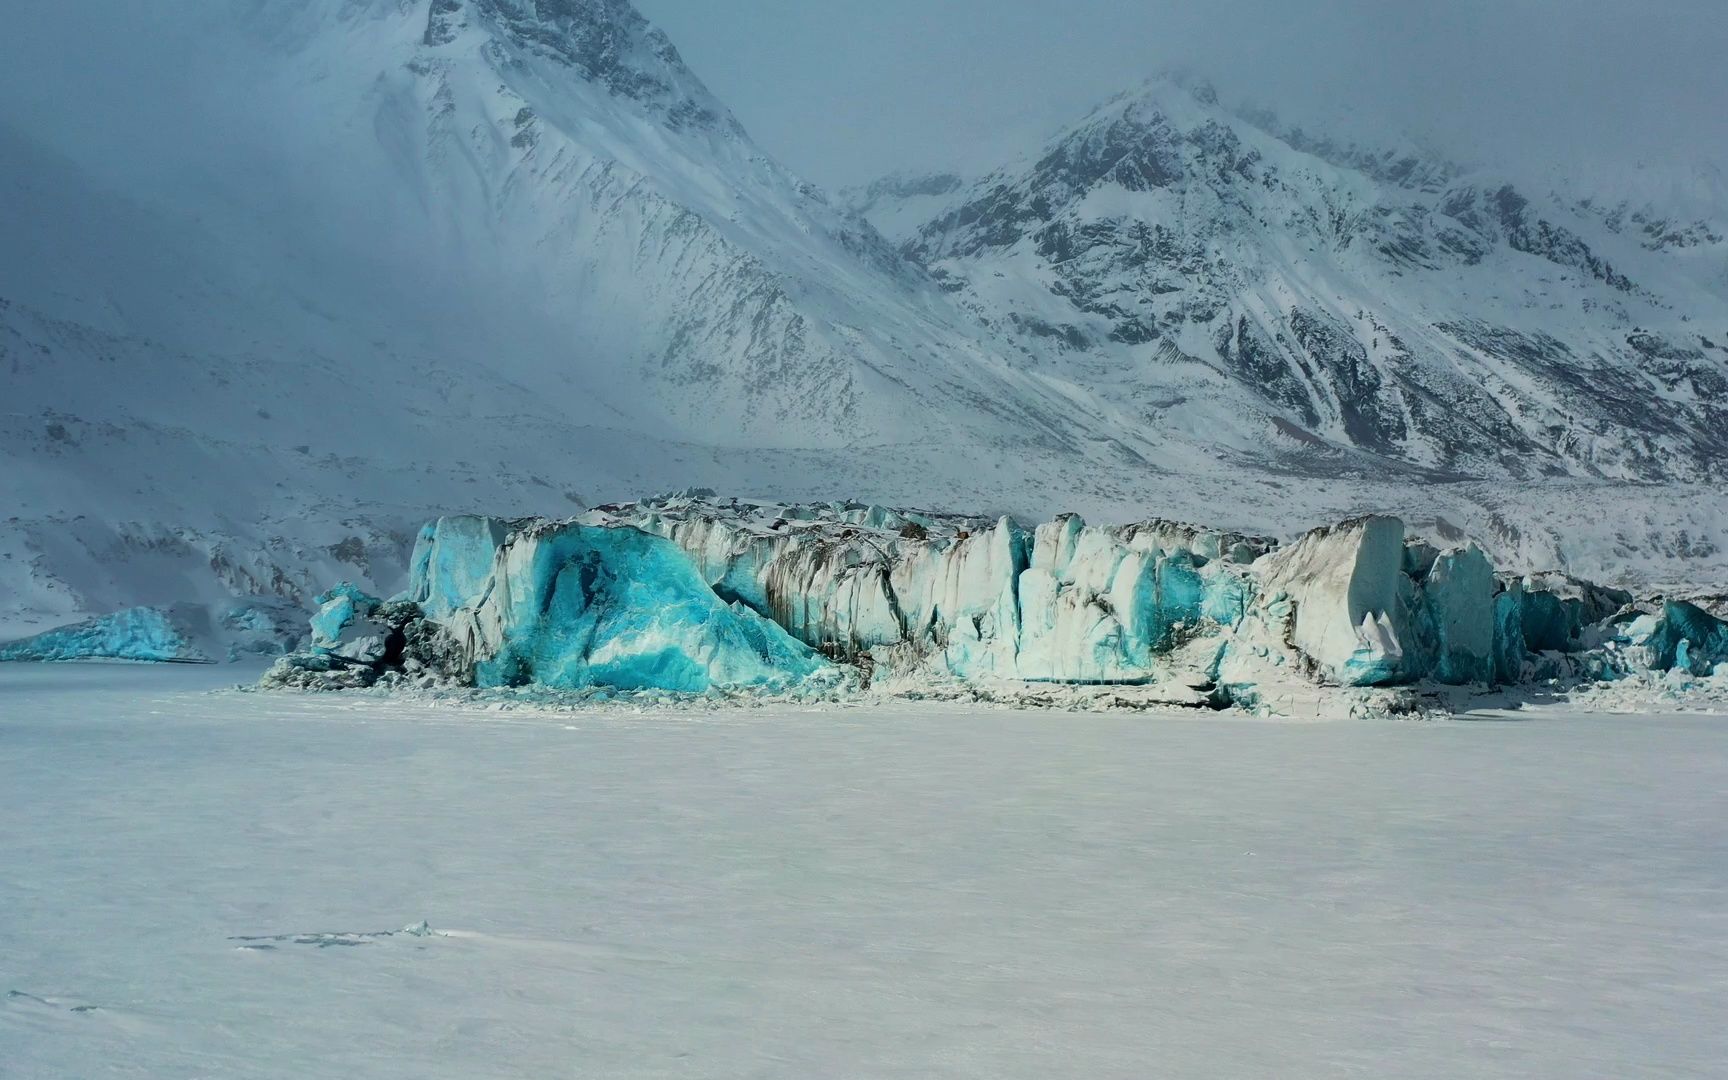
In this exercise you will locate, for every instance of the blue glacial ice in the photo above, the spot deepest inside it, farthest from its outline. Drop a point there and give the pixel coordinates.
(692, 593)
(339, 609)
(139, 633)
(571, 606)
(964, 597)
(452, 560)
(1684, 637)
(1455, 618)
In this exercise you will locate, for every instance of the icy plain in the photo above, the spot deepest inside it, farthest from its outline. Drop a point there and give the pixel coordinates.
(198, 883)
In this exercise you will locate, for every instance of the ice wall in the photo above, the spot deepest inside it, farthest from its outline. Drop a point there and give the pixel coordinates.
(1454, 618)
(570, 606)
(692, 593)
(140, 633)
(1359, 604)
(452, 560)
(1349, 599)
(1103, 604)
(963, 596)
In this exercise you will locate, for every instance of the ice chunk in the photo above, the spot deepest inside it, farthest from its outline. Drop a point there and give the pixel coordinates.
(452, 561)
(572, 606)
(1556, 608)
(962, 595)
(1687, 638)
(340, 608)
(140, 633)
(1351, 599)
(1102, 605)
(1456, 617)
(365, 649)
(1511, 649)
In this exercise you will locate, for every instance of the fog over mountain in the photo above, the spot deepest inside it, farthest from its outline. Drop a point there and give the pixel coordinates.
(280, 279)
(843, 91)
(837, 88)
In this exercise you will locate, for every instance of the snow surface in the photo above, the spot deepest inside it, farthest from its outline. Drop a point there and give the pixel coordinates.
(228, 884)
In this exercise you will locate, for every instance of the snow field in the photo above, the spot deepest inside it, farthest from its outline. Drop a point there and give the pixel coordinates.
(894, 890)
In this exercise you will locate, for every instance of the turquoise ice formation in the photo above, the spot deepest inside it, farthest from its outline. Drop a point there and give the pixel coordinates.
(693, 594)
(139, 633)
(573, 606)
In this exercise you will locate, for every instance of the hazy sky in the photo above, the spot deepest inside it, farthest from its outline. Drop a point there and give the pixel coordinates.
(843, 90)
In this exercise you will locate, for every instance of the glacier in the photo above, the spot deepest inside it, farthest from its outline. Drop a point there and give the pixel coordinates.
(571, 606)
(693, 593)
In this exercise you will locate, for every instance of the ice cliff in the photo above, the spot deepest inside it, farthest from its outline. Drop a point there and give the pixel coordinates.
(693, 593)
(557, 604)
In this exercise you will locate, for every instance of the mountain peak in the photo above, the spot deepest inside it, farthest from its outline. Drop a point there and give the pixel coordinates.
(1366, 298)
(607, 42)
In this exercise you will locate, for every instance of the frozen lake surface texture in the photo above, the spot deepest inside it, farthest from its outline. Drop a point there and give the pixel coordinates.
(198, 884)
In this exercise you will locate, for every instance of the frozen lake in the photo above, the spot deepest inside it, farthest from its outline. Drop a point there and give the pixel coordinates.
(199, 885)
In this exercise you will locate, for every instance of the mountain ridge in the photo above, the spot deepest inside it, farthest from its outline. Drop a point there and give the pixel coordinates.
(450, 264)
(1372, 312)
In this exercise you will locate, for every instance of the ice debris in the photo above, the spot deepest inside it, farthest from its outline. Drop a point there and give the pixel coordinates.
(1683, 637)
(358, 639)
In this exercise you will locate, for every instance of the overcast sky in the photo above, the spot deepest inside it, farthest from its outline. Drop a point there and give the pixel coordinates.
(843, 90)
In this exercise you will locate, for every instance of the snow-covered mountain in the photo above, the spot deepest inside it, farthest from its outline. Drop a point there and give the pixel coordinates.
(1387, 301)
(506, 256)
(493, 252)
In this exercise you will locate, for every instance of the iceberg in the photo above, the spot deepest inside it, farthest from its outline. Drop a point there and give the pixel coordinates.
(139, 633)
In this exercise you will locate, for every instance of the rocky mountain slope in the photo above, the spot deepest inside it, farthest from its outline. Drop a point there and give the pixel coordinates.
(512, 257)
(546, 263)
(1386, 301)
